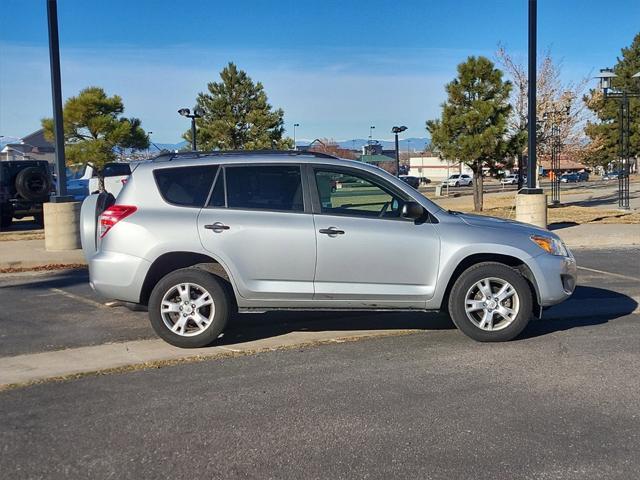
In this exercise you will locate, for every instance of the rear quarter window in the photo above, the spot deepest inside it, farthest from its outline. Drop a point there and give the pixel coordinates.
(185, 186)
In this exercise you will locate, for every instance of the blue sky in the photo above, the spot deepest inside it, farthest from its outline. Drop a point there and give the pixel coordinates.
(335, 67)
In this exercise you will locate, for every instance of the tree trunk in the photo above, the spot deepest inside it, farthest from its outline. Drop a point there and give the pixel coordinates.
(101, 182)
(477, 187)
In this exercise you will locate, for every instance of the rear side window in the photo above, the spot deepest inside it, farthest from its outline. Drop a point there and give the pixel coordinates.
(185, 186)
(265, 187)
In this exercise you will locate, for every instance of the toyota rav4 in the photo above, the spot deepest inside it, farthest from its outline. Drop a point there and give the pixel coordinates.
(195, 237)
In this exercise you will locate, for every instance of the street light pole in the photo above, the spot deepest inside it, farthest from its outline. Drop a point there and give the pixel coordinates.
(396, 131)
(606, 76)
(531, 114)
(295, 147)
(197, 113)
(371, 133)
(56, 94)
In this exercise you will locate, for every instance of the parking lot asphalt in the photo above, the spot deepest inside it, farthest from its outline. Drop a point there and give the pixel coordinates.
(556, 404)
(53, 311)
(560, 402)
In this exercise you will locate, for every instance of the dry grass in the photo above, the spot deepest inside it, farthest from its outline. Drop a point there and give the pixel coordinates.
(44, 268)
(503, 206)
(26, 235)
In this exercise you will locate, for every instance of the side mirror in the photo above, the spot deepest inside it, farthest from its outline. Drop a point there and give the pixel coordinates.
(412, 210)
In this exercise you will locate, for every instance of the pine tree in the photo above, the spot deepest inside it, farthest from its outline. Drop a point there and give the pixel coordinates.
(238, 116)
(94, 129)
(605, 133)
(473, 127)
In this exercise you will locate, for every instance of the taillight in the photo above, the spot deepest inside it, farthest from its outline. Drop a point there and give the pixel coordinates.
(124, 181)
(113, 215)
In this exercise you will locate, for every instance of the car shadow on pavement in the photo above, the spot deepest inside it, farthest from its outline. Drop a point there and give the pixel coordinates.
(52, 279)
(249, 327)
(587, 307)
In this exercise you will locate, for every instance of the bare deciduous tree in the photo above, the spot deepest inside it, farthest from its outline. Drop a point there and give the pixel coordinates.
(558, 103)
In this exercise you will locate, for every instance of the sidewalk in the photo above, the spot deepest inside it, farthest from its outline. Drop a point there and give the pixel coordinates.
(599, 235)
(31, 253)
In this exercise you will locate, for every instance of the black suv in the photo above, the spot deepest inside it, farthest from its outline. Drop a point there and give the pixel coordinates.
(24, 186)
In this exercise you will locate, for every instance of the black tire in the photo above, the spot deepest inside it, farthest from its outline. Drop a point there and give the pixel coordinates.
(33, 184)
(476, 273)
(216, 289)
(457, 184)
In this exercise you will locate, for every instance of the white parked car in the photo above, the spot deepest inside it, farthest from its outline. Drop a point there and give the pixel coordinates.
(84, 180)
(511, 179)
(115, 176)
(458, 180)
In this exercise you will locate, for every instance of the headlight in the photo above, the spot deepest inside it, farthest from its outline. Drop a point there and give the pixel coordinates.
(550, 245)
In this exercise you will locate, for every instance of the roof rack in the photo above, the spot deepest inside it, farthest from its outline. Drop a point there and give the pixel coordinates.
(168, 156)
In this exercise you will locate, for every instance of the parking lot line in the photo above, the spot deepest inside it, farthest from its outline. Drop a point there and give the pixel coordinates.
(78, 298)
(602, 272)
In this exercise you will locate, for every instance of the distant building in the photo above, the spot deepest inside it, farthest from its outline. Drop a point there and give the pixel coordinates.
(434, 168)
(32, 147)
(376, 148)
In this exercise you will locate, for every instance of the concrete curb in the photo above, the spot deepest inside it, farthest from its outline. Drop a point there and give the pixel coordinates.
(34, 368)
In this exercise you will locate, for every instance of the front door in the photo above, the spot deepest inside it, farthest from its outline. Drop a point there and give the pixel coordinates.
(259, 228)
(367, 253)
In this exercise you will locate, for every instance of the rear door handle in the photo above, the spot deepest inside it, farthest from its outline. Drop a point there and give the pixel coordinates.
(217, 227)
(331, 231)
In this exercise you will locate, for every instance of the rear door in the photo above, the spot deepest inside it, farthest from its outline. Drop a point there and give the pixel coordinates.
(258, 221)
(367, 253)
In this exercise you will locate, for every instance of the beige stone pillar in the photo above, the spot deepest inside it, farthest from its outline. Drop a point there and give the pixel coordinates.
(532, 208)
(62, 225)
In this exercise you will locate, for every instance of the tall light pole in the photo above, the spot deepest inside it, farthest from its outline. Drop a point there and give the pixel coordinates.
(56, 95)
(295, 147)
(532, 167)
(396, 131)
(197, 113)
(531, 202)
(622, 95)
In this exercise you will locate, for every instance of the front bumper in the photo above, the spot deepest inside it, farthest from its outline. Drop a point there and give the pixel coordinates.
(117, 275)
(556, 277)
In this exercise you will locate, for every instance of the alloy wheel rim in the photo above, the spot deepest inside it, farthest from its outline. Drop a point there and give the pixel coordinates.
(187, 309)
(492, 304)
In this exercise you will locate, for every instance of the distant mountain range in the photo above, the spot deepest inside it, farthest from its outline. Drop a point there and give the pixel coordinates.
(413, 144)
(157, 147)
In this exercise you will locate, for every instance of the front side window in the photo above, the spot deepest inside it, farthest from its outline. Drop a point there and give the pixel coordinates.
(344, 193)
(268, 187)
(185, 186)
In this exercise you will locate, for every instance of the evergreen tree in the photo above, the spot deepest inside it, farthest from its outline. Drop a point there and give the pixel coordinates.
(605, 133)
(473, 127)
(94, 130)
(238, 116)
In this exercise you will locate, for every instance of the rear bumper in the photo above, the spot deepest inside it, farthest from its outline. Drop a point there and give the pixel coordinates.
(556, 278)
(117, 275)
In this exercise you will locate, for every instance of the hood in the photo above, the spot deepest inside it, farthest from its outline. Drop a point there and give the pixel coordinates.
(494, 222)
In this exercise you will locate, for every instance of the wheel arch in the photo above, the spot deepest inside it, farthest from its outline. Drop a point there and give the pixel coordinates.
(172, 261)
(509, 260)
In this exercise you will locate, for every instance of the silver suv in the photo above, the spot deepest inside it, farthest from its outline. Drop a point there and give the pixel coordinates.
(198, 236)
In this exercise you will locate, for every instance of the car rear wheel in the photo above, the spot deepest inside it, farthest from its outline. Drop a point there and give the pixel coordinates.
(189, 308)
(491, 302)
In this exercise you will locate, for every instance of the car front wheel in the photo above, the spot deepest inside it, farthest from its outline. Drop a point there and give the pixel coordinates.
(189, 308)
(491, 302)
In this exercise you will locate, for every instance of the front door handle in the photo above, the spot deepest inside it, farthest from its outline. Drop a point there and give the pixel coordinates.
(331, 231)
(217, 227)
